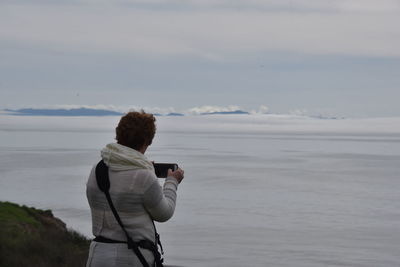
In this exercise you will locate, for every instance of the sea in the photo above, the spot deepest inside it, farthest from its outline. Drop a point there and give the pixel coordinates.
(259, 190)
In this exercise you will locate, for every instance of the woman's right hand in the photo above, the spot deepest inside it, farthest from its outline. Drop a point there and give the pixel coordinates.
(178, 174)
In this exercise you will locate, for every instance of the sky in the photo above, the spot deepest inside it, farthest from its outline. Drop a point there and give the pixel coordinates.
(334, 58)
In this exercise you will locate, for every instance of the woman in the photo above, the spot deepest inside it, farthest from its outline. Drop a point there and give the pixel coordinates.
(135, 192)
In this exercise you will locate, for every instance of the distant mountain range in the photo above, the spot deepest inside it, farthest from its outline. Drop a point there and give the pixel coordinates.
(63, 112)
(175, 114)
(226, 112)
(95, 112)
(72, 112)
(104, 112)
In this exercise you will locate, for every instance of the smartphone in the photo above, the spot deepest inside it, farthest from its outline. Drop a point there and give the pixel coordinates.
(162, 169)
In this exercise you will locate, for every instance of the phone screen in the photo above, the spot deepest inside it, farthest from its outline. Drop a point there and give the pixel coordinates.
(161, 169)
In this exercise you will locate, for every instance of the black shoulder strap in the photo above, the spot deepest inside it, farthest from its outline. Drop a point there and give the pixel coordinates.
(103, 182)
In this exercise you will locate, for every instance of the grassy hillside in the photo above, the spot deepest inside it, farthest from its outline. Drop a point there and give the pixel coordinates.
(32, 237)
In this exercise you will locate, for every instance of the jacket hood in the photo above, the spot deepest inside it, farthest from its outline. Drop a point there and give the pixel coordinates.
(120, 158)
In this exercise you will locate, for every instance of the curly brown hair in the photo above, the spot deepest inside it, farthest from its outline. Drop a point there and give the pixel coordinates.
(136, 129)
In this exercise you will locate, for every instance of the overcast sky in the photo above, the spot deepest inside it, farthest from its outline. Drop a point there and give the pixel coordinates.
(334, 57)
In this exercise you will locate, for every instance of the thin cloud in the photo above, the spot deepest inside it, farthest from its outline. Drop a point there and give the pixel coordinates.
(351, 28)
(261, 110)
(201, 5)
(212, 109)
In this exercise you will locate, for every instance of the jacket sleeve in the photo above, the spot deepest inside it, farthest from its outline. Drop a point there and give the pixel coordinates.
(160, 201)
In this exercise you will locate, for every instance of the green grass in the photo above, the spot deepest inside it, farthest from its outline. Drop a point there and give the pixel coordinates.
(33, 237)
(10, 212)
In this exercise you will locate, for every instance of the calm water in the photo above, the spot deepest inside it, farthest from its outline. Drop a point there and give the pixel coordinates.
(259, 191)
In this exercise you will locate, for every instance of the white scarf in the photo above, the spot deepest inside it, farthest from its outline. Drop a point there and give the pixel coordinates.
(121, 158)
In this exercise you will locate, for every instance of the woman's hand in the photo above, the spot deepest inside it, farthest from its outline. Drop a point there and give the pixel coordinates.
(178, 174)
